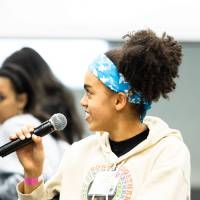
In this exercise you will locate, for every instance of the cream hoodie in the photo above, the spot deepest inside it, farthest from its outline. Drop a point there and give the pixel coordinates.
(158, 168)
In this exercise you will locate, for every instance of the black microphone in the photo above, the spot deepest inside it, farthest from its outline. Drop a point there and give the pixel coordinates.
(57, 122)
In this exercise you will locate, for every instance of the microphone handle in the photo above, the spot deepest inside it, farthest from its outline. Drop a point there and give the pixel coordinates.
(14, 145)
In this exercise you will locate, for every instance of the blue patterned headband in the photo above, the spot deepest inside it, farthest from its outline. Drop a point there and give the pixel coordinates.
(105, 70)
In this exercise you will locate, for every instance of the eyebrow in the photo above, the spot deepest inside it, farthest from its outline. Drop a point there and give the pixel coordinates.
(86, 86)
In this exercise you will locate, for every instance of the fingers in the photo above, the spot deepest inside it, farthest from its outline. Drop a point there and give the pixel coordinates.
(22, 134)
(25, 132)
(13, 137)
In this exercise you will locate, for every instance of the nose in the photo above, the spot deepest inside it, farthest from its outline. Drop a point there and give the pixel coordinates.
(83, 101)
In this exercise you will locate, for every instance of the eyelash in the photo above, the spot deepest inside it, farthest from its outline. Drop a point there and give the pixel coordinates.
(88, 93)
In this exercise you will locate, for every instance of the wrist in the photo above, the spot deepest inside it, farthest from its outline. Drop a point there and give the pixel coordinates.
(32, 173)
(32, 181)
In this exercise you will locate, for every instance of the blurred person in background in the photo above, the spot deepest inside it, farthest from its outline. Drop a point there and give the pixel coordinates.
(18, 106)
(53, 96)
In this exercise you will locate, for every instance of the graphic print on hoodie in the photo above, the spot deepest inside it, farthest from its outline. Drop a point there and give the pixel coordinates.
(124, 187)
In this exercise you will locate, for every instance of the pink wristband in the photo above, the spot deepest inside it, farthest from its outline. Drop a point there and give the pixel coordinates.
(33, 181)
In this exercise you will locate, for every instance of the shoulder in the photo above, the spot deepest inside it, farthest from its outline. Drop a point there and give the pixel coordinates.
(85, 143)
(15, 123)
(175, 147)
(173, 156)
(161, 135)
(79, 151)
(22, 118)
(167, 143)
(86, 146)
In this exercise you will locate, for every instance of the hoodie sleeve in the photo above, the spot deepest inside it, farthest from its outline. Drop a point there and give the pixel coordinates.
(170, 176)
(44, 192)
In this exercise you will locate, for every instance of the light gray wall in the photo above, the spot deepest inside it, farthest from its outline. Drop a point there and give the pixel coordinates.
(182, 111)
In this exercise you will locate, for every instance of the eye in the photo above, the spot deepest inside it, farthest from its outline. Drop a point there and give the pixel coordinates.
(2, 97)
(89, 93)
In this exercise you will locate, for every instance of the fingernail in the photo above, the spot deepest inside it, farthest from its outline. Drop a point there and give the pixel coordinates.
(28, 135)
(22, 137)
(34, 136)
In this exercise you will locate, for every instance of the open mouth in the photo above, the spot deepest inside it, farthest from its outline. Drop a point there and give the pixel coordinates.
(87, 115)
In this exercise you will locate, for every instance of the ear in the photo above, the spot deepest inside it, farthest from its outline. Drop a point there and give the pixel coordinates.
(22, 100)
(120, 101)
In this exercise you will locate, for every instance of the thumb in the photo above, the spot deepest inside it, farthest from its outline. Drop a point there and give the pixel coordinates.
(37, 140)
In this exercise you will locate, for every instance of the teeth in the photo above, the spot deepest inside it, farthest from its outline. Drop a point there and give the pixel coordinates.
(87, 115)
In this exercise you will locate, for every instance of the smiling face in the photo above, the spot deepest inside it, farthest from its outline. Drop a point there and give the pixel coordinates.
(99, 104)
(10, 103)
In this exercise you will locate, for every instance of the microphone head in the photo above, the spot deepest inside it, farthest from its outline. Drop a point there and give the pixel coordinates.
(59, 121)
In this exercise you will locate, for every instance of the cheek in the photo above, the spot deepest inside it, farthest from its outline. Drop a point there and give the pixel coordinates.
(101, 111)
(8, 109)
(95, 109)
(4, 113)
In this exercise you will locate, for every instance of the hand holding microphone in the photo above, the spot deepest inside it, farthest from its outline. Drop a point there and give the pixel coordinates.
(32, 156)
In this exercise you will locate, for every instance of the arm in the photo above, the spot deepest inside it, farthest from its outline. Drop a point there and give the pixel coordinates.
(10, 170)
(31, 157)
(47, 191)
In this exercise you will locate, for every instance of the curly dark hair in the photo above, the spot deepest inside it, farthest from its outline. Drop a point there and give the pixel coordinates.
(148, 63)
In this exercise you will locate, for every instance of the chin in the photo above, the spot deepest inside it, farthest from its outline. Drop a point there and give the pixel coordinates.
(94, 128)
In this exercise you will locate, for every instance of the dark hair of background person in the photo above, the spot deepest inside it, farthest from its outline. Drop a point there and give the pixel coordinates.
(149, 64)
(21, 83)
(52, 96)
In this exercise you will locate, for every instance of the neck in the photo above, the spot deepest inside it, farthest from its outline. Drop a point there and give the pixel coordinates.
(127, 128)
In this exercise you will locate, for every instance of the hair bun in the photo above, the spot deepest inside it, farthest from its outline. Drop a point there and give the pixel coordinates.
(150, 63)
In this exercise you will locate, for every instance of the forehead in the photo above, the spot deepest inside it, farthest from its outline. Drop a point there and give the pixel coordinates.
(5, 84)
(91, 81)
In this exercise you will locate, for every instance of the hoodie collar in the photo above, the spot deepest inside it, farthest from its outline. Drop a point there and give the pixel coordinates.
(158, 130)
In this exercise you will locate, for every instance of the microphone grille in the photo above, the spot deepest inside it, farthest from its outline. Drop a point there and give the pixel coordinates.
(59, 121)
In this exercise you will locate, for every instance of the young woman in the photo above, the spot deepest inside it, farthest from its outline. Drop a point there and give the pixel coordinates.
(131, 156)
(53, 96)
(18, 108)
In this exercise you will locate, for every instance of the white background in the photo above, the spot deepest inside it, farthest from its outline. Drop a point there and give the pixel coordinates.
(107, 19)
